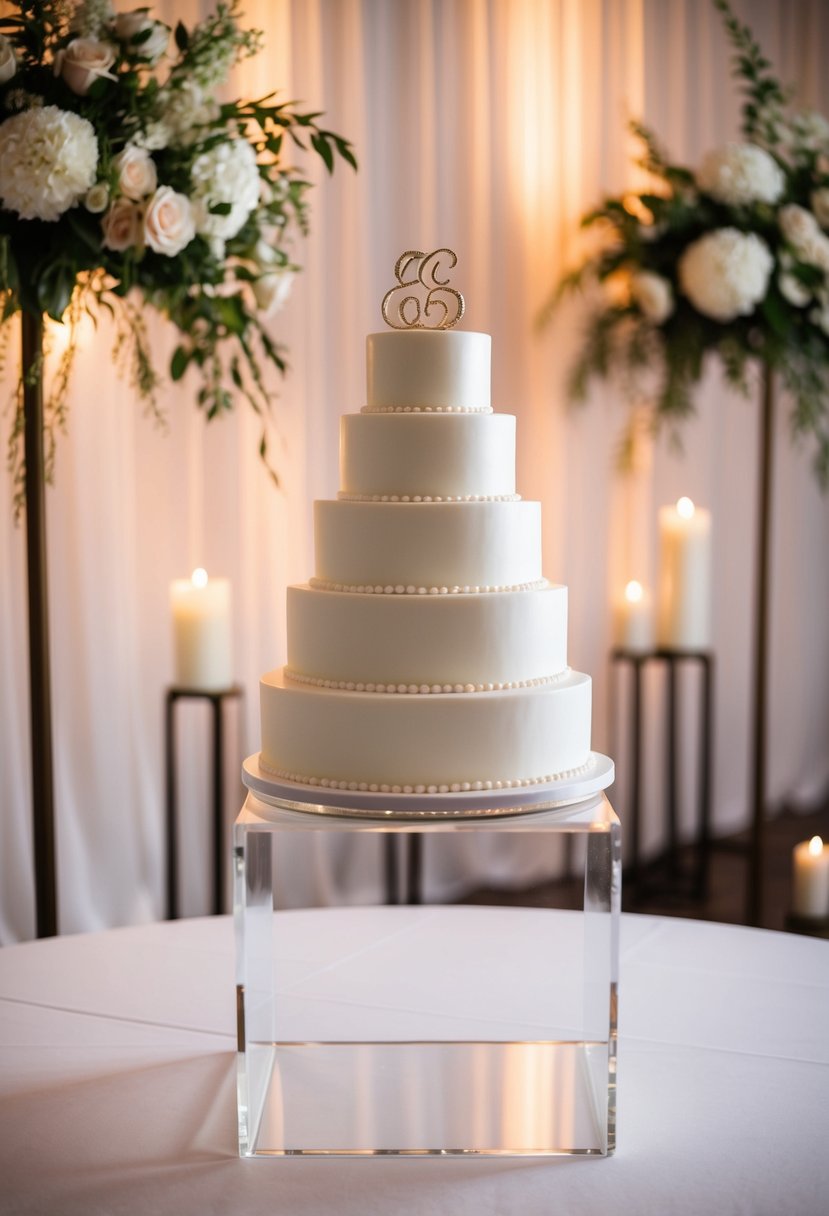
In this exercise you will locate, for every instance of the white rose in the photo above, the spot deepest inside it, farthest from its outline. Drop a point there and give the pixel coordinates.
(122, 226)
(137, 176)
(820, 205)
(725, 274)
(97, 198)
(272, 290)
(793, 290)
(801, 230)
(653, 294)
(49, 158)
(156, 45)
(8, 63)
(168, 222)
(84, 61)
(739, 174)
(127, 25)
(798, 225)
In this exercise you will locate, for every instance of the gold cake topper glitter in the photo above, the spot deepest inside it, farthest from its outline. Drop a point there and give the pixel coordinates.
(433, 304)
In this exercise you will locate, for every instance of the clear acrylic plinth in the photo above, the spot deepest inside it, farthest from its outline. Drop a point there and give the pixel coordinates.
(435, 1029)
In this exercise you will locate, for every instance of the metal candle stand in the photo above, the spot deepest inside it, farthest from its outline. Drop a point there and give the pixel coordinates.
(413, 851)
(217, 700)
(667, 879)
(807, 926)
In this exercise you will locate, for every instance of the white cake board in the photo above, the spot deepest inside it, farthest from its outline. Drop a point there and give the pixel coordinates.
(597, 775)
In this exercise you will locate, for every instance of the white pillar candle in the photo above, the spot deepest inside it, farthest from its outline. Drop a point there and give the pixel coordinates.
(201, 632)
(684, 608)
(811, 879)
(634, 619)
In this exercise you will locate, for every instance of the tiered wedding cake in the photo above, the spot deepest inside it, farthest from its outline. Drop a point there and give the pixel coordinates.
(428, 654)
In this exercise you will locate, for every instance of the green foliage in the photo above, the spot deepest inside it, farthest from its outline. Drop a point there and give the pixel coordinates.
(656, 339)
(214, 288)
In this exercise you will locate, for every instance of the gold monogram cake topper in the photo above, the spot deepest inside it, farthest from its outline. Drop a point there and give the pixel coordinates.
(432, 304)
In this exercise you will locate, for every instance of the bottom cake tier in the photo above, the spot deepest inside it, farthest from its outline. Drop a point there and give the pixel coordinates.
(436, 743)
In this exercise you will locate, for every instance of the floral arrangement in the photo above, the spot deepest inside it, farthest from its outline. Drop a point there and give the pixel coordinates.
(730, 259)
(125, 182)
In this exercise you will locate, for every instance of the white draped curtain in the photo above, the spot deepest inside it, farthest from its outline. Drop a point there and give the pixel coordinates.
(488, 126)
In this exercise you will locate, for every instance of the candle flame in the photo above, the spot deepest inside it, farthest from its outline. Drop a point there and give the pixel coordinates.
(685, 507)
(199, 577)
(815, 846)
(633, 591)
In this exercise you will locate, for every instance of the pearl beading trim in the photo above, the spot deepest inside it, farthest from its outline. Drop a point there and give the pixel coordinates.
(422, 689)
(456, 787)
(321, 584)
(343, 497)
(426, 409)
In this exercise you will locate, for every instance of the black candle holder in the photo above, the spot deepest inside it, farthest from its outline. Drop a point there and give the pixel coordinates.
(413, 852)
(217, 700)
(808, 926)
(666, 878)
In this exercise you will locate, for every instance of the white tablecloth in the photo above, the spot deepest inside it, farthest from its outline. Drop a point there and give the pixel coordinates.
(117, 1087)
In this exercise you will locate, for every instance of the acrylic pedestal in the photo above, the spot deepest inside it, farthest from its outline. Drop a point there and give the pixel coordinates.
(434, 1030)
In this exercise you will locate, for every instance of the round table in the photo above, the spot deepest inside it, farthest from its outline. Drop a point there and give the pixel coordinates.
(117, 1086)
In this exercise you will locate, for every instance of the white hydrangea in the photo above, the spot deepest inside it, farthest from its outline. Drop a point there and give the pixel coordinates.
(725, 274)
(653, 294)
(49, 158)
(227, 173)
(740, 174)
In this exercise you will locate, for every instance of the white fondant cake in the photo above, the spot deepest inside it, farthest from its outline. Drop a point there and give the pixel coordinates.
(417, 369)
(440, 455)
(428, 654)
(428, 544)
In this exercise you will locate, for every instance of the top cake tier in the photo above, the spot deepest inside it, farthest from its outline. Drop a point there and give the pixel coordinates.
(428, 370)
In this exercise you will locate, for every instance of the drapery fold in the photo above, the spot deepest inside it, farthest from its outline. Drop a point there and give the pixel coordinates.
(488, 127)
